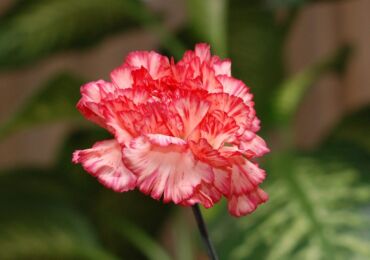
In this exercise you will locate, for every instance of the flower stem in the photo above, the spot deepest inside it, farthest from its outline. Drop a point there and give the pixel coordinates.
(203, 232)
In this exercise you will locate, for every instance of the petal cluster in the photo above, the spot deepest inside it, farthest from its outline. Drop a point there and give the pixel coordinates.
(183, 132)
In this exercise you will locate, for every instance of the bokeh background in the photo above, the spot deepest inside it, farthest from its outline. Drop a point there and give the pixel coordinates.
(307, 63)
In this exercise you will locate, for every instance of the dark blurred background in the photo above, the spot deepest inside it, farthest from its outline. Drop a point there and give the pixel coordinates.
(307, 63)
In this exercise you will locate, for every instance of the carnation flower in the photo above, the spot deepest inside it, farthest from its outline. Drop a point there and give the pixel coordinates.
(183, 132)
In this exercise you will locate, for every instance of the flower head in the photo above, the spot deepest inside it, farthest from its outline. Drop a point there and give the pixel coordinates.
(183, 132)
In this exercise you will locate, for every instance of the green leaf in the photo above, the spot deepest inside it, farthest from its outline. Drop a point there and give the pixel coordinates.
(292, 91)
(55, 101)
(44, 27)
(208, 20)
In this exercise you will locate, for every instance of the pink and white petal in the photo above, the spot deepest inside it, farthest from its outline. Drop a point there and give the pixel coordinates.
(248, 135)
(121, 77)
(203, 151)
(222, 180)
(255, 174)
(233, 154)
(255, 125)
(222, 67)
(188, 57)
(209, 80)
(157, 65)
(202, 50)
(205, 194)
(235, 88)
(175, 124)
(111, 110)
(257, 146)
(104, 161)
(165, 167)
(96, 91)
(191, 109)
(127, 120)
(208, 194)
(241, 205)
(137, 96)
(233, 106)
(118, 128)
(165, 140)
(93, 93)
(245, 177)
(180, 185)
(217, 128)
(146, 119)
(188, 68)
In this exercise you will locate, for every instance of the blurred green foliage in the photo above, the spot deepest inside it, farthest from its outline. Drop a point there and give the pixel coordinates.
(256, 49)
(54, 102)
(317, 210)
(208, 20)
(38, 29)
(292, 90)
(319, 199)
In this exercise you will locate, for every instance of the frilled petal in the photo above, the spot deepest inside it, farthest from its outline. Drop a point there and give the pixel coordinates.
(138, 96)
(222, 180)
(218, 128)
(122, 135)
(205, 194)
(203, 52)
(222, 67)
(93, 94)
(203, 151)
(165, 167)
(143, 119)
(209, 80)
(235, 88)
(121, 77)
(245, 177)
(111, 111)
(129, 115)
(234, 107)
(96, 91)
(240, 205)
(187, 112)
(255, 126)
(200, 62)
(188, 68)
(208, 194)
(104, 161)
(157, 65)
(256, 145)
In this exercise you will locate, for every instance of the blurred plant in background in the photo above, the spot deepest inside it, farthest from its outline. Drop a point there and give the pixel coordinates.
(319, 200)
